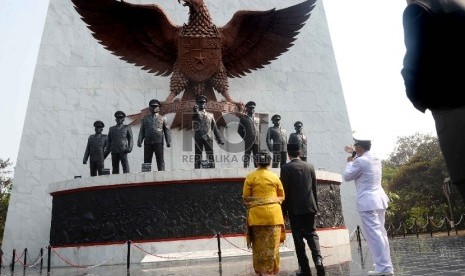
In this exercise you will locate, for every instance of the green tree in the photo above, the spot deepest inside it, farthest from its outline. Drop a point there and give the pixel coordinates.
(6, 182)
(413, 177)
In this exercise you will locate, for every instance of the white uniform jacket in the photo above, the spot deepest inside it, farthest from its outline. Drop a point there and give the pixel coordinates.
(366, 171)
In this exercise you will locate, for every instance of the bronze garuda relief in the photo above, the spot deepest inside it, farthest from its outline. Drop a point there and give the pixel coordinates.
(199, 56)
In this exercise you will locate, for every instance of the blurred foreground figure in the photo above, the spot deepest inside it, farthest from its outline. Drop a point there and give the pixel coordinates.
(434, 68)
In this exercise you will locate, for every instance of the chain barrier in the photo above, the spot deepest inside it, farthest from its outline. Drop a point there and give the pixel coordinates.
(246, 250)
(19, 258)
(413, 225)
(36, 262)
(429, 226)
(460, 220)
(352, 235)
(169, 257)
(436, 226)
(86, 267)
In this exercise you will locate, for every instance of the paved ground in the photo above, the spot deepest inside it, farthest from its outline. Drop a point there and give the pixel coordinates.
(411, 256)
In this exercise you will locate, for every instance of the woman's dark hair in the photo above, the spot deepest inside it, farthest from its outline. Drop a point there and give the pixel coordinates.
(263, 159)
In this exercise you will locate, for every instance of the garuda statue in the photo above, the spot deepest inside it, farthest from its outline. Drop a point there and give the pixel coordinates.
(198, 54)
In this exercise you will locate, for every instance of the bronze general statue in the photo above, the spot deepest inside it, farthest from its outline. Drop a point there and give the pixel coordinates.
(276, 140)
(249, 130)
(299, 138)
(199, 56)
(95, 149)
(204, 127)
(120, 143)
(153, 129)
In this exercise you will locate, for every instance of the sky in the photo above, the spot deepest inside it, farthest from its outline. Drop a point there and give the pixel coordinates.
(367, 38)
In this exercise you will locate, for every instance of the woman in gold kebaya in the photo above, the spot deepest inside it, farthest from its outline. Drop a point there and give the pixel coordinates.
(263, 194)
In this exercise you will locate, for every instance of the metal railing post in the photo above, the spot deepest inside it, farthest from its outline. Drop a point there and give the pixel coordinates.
(359, 238)
(430, 223)
(41, 258)
(219, 246)
(13, 260)
(25, 259)
(49, 252)
(128, 256)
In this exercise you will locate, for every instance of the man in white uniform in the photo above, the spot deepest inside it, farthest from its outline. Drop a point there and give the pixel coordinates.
(372, 202)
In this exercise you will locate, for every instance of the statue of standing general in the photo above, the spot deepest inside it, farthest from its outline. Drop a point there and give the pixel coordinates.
(95, 150)
(120, 142)
(300, 139)
(204, 127)
(276, 140)
(248, 129)
(152, 130)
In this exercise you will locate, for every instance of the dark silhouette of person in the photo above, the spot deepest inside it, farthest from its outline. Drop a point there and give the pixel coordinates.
(301, 206)
(249, 130)
(120, 142)
(276, 140)
(299, 139)
(204, 126)
(153, 129)
(95, 149)
(433, 72)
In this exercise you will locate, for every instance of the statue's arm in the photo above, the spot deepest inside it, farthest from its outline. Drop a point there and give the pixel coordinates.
(141, 134)
(240, 129)
(86, 153)
(268, 140)
(216, 132)
(108, 147)
(105, 146)
(167, 132)
(130, 139)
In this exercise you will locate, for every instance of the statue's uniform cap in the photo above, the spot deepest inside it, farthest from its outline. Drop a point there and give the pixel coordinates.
(99, 124)
(154, 102)
(201, 97)
(298, 123)
(250, 104)
(276, 117)
(120, 114)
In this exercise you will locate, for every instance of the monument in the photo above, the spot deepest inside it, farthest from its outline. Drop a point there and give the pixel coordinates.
(77, 80)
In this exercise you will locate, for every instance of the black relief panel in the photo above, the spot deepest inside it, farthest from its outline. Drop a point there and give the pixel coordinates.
(158, 212)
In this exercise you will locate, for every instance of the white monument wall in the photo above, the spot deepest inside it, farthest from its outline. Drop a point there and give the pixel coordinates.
(77, 81)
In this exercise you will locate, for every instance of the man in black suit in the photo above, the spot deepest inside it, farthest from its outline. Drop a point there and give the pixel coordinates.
(433, 74)
(301, 203)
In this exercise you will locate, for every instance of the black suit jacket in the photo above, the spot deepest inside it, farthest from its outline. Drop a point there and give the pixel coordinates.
(434, 61)
(299, 182)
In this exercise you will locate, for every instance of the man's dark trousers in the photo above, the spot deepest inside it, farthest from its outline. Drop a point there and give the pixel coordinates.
(303, 226)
